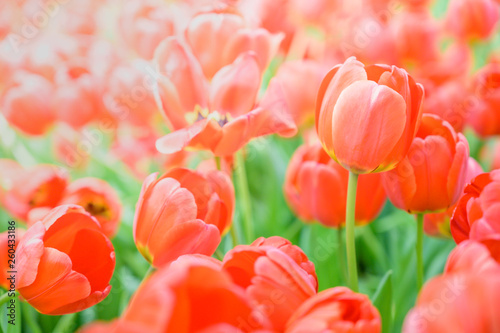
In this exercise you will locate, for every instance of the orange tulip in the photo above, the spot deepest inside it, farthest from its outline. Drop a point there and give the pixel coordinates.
(40, 186)
(433, 174)
(223, 116)
(25, 99)
(316, 189)
(477, 215)
(217, 39)
(191, 295)
(8, 241)
(471, 19)
(438, 224)
(64, 262)
(144, 24)
(167, 224)
(275, 275)
(484, 115)
(99, 327)
(99, 199)
(466, 298)
(336, 310)
(366, 117)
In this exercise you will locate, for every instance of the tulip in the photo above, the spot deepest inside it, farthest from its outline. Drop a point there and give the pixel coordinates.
(25, 99)
(217, 39)
(471, 280)
(99, 327)
(143, 25)
(223, 116)
(335, 310)
(301, 98)
(64, 262)
(472, 19)
(438, 224)
(366, 117)
(477, 215)
(433, 174)
(166, 223)
(99, 199)
(316, 189)
(275, 275)
(40, 186)
(483, 112)
(193, 294)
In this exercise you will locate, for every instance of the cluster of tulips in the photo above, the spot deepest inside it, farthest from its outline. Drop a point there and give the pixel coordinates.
(374, 105)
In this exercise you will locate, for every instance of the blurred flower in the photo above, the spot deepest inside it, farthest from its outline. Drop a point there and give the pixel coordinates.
(9, 241)
(438, 224)
(336, 310)
(218, 39)
(316, 189)
(223, 117)
(472, 19)
(193, 294)
(477, 215)
(431, 177)
(99, 327)
(144, 24)
(99, 199)
(25, 99)
(65, 262)
(166, 223)
(484, 114)
(39, 186)
(470, 285)
(366, 117)
(301, 99)
(276, 275)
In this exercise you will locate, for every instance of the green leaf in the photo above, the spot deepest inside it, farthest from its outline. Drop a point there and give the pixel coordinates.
(382, 299)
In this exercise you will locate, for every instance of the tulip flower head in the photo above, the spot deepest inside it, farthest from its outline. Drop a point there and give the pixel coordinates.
(65, 262)
(367, 117)
(432, 176)
(168, 217)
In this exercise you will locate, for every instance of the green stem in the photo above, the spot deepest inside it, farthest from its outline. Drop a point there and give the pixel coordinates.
(66, 323)
(234, 235)
(341, 252)
(6, 298)
(352, 268)
(246, 205)
(419, 248)
(217, 162)
(30, 320)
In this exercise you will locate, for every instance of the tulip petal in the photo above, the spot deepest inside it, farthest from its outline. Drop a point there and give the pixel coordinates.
(29, 253)
(367, 121)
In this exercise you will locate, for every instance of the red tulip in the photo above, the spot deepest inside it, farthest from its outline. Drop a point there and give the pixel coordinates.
(316, 189)
(336, 310)
(484, 115)
(366, 117)
(192, 295)
(275, 275)
(64, 262)
(25, 99)
(470, 19)
(221, 117)
(466, 298)
(477, 215)
(40, 186)
(99, 199)
(438, 224)
(433, 174)
(166, 223)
